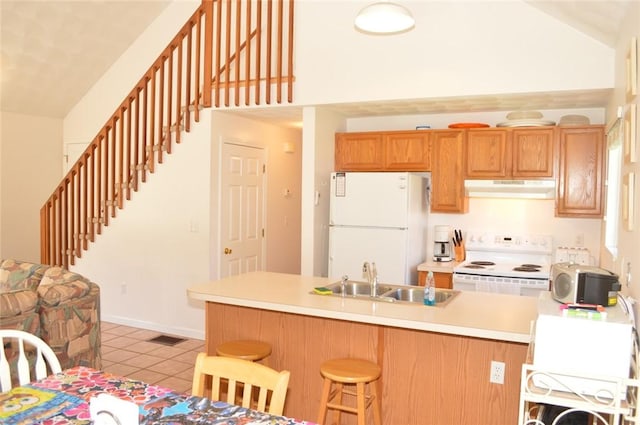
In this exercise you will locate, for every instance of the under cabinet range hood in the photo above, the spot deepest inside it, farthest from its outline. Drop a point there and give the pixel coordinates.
(520, 189)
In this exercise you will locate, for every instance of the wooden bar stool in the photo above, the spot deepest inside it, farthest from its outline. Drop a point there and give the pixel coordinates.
(244, 349)
(341, 372)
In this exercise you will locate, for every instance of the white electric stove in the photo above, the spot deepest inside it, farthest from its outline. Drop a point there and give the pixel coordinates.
(516, 264)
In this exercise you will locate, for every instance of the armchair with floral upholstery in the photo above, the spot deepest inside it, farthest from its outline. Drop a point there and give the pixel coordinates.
(59, 306)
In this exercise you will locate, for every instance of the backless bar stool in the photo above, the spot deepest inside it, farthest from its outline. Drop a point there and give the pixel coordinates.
(254, 351)
(341, 372)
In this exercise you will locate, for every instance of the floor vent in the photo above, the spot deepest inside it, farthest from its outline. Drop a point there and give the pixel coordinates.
(166, 340)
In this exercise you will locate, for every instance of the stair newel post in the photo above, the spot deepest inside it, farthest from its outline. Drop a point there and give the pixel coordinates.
(208, 52)
(44, 233)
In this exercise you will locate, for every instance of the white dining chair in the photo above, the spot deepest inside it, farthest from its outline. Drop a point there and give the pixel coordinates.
(44, 356)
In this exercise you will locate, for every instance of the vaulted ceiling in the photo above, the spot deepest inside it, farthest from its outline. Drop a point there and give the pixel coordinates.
(52, 52)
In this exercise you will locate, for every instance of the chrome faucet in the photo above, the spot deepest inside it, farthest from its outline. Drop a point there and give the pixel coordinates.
(371, 273)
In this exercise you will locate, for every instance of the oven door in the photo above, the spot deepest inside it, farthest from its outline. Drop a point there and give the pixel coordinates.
(481, 283)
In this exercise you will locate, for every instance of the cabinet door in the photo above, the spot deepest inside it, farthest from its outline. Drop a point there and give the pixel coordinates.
(488, 154)
(447, 181)
(581, 169)
(442, 280)
(359, 152)
(408, 151)
(533, 152)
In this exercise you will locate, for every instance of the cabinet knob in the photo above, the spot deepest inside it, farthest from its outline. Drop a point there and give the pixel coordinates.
(228, 250)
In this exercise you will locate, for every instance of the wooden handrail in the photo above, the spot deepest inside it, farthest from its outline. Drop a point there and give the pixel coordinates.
(162, 104)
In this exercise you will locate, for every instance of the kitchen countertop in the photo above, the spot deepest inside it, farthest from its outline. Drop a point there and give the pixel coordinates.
(474, 314)
(438, 266)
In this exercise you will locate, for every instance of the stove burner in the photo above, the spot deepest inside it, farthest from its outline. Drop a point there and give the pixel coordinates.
(483, 263)
(526, 268)
(473, 266)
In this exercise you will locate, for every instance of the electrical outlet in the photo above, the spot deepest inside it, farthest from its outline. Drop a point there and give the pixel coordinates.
(123, 288)
(497, 372)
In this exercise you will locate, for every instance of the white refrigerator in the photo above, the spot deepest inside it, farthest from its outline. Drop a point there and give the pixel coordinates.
(378, 217)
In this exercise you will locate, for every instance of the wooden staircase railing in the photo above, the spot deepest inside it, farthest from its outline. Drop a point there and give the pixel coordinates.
(228, 49)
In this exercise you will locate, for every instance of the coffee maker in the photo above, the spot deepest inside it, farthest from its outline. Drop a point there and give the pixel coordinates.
(442, 244)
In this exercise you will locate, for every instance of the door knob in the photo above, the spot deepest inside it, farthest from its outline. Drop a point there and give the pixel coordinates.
(228, 250)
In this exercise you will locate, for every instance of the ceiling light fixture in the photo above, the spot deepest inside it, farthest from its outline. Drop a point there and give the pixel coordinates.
(384, 18)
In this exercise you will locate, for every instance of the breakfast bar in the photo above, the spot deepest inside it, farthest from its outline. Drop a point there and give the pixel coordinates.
(435, 360)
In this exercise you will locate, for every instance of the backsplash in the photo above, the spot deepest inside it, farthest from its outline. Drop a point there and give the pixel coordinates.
(522, 216)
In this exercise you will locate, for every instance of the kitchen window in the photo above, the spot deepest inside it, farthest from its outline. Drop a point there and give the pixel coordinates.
(614, 172)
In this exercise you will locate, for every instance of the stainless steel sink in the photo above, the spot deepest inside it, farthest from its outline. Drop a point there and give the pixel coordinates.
(389, 293)
(353, 288)
(416, 295)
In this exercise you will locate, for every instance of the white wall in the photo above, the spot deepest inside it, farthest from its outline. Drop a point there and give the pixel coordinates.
(88, 116)
(628, 257)
(158, 245)
(29, 172)
(319, 131)
(457, 48)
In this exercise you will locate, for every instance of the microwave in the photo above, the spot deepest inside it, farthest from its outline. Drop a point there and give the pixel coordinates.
(578, 283)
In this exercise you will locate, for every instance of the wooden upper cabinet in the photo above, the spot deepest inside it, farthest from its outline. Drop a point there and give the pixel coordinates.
(509, 153)
(409, 151)
(447, 178)
(359, 152)
(581, 172)
(488, 153)
(532, 152)
(383, 151)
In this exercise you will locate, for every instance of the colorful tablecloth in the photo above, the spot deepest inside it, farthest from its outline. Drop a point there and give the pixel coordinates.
(63, 399)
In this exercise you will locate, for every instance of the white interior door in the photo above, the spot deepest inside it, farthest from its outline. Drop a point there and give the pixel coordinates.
(242, 227)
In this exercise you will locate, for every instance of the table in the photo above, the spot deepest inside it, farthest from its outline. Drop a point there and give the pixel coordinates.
(63, 399)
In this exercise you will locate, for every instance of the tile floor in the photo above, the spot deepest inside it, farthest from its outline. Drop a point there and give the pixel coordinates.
(126, 351)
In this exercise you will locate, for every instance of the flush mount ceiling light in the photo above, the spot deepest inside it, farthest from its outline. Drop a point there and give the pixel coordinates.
(384, 18)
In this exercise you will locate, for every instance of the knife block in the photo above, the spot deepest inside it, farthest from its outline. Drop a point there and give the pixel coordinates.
(459, 253)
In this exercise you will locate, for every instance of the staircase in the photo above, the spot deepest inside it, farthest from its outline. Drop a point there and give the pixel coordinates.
(229, 52)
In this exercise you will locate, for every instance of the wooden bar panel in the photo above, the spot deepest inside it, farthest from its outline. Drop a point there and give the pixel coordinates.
(447, 372)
